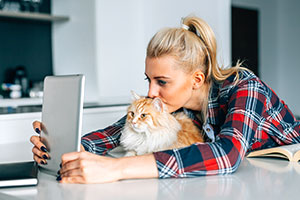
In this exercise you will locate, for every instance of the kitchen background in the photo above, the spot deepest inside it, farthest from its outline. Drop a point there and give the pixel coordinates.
(106, 41)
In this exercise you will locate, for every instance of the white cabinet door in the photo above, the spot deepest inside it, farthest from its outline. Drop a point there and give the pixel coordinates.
(16, 129)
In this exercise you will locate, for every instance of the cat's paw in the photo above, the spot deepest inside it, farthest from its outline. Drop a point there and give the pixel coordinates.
(130, 153)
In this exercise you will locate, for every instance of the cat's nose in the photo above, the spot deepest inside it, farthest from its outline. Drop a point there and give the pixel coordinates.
(134, 124)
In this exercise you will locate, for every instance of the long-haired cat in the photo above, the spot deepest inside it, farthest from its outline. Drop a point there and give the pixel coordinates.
(150, 127)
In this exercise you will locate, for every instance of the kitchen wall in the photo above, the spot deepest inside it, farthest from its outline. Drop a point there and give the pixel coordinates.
(106, 40)
(288, 52)
(279, 31)
(74, 47)
(25, 43)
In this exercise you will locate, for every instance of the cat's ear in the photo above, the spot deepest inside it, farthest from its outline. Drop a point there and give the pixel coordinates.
(158, 104)
(135, 96)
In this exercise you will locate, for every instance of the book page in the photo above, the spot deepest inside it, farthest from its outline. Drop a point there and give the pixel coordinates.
(293, 148)
(285, 151)
(296, 157)
(272, 152)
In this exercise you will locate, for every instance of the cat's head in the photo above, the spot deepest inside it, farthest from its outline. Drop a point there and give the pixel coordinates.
(144, 113)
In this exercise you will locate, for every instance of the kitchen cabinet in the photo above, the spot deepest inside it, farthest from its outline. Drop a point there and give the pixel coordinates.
(17, 128)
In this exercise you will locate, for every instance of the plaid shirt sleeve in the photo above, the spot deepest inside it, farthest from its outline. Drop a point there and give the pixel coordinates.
(244, 110)
(103, 140)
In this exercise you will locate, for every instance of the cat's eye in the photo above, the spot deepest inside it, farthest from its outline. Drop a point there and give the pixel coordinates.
(143, 115)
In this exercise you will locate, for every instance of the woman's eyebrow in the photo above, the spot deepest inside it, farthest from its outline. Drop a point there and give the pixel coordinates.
(159, 77)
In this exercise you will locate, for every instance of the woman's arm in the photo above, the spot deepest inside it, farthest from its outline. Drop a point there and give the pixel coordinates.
(138, 167)
(100, 141)
(244, 110)
(85, 167)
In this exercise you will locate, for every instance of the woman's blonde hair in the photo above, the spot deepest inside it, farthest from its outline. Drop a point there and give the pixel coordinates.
(193, 47)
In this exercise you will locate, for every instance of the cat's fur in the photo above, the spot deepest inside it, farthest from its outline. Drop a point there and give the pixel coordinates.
(150, 127)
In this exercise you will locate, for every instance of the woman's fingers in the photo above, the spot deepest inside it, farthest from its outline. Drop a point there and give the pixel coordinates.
(36, 141)
(72, 156)
(37, 126)
(69, 166)
(85, 167)
(39, 150)
(39, 160)
(72, 169)
(72, 161)
(40, 153)
(72, 172)
(72, 179)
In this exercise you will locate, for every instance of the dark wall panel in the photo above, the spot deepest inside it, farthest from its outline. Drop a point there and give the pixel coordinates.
(245, 37)
(27, 43)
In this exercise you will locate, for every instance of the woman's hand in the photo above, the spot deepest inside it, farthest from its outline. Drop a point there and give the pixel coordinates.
(85, 167)
(40, 153)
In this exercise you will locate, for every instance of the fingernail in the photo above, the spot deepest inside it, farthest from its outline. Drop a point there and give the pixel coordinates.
(58, 178)
(44, 149)
(43, 163)
(37, 130)
(45, 157)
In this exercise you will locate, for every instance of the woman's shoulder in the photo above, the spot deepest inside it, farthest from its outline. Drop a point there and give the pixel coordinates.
(245, 79)
(242, 76)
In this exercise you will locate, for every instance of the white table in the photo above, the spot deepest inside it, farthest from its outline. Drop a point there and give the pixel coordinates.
(256, 178)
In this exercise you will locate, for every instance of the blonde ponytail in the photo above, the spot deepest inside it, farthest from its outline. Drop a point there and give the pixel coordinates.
(194, 49)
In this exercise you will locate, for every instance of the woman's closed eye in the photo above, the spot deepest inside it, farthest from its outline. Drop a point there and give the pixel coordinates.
(161, 82)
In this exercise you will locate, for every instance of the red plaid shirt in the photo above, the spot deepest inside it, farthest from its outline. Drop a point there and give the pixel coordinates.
(242, 117)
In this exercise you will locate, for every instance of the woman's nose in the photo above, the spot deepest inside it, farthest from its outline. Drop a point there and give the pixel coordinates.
(153, 91)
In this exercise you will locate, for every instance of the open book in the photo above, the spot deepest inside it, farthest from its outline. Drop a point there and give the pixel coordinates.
(289, 152)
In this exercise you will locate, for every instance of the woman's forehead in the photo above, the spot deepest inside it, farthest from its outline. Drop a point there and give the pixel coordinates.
(161, 66)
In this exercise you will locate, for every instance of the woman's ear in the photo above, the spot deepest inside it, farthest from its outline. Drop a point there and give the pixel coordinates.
(198, 79)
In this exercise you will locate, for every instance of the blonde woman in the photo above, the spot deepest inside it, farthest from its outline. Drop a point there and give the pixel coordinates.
(237, 111)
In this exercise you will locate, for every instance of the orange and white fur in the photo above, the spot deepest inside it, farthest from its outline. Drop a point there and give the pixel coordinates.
(150, 127)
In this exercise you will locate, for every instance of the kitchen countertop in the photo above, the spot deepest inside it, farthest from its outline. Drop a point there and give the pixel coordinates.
(38, 108)
(256, 178)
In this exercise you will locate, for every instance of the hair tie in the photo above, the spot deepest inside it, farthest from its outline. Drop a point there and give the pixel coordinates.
(192, 29)
(185, 27)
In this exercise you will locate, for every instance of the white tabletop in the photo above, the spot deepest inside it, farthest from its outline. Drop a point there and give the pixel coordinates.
(256, 178)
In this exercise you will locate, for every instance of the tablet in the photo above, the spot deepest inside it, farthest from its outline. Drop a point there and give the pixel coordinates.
(61, 117)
